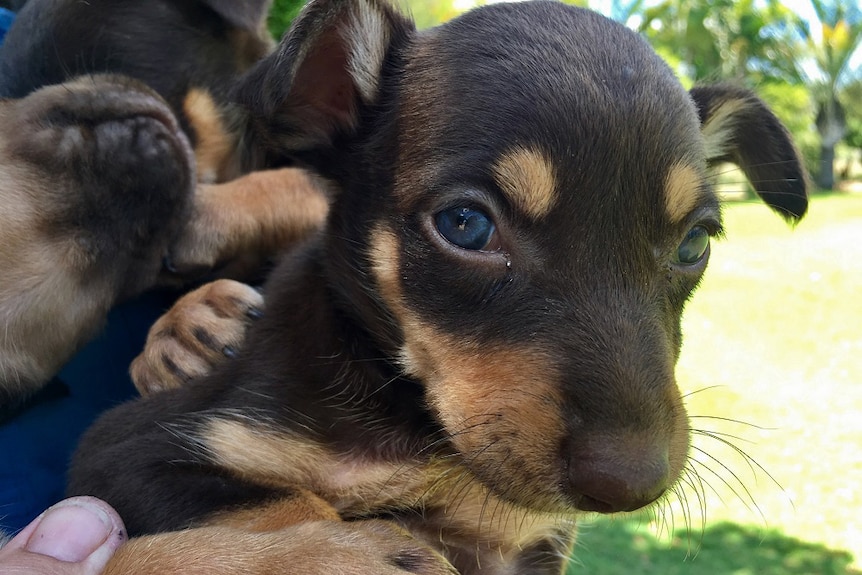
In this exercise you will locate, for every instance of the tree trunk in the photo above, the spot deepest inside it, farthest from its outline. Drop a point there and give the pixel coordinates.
(826, 174)
(832, 125)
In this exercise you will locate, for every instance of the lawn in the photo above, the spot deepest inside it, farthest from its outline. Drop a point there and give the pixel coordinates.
(773, 341)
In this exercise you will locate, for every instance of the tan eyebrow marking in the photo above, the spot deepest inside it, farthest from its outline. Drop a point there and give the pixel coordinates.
(527, 178)
(681, 190)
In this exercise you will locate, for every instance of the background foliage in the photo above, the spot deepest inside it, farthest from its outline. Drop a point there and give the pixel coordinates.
(282, 14)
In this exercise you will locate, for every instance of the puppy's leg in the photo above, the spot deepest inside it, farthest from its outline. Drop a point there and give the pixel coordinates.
(359, 548)
(296, 535)
(236, 226)
(200, 331)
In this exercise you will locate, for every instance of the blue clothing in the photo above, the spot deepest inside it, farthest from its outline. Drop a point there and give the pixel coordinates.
(6, 18)
(36, 445)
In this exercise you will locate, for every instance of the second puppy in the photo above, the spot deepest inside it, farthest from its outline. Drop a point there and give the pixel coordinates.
(120, 149)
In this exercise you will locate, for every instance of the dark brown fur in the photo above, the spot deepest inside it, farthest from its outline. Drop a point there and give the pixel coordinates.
(119, 148)
(478, 395)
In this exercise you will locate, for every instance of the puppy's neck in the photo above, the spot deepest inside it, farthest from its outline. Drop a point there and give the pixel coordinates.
(352, 394)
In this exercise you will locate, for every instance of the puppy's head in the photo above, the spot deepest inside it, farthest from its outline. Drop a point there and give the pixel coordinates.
(524, 211)
(95, 179)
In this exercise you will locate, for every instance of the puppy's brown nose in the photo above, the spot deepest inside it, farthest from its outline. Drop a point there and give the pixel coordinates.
(612, 478)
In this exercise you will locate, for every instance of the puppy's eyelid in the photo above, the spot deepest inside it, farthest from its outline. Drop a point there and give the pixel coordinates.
(707, 216)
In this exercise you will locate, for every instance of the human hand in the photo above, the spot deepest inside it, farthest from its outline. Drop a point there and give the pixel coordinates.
(77, 536)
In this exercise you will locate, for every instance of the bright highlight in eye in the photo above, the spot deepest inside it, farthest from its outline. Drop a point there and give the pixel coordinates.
(465, 227)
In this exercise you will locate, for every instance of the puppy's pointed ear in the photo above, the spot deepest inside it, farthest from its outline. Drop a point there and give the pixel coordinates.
(328, 65)
(739, 128)
(243, 14)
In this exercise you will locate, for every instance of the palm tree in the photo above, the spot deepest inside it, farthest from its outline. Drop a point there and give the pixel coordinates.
(721, 39)
(840, 36)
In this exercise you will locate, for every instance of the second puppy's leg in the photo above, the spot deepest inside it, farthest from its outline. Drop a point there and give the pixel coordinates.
(237, 226)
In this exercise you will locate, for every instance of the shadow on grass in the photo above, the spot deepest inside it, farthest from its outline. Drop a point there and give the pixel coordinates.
(625, 547)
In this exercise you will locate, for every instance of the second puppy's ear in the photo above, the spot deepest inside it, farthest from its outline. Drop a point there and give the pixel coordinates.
(328, 65)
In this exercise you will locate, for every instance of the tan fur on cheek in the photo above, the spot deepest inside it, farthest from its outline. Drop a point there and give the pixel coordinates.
(500, 403)
(681, 190)
(527, 178)
(501, 406)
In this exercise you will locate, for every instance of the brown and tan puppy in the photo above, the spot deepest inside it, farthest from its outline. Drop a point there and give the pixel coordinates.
(480, 346)
(120, 149)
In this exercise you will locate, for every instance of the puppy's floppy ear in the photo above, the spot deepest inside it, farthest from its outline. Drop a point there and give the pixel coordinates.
(244, 14)
(739, 128)
(328, 65)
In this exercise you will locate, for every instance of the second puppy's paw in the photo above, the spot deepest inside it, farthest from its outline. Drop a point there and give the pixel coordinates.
(203, 328)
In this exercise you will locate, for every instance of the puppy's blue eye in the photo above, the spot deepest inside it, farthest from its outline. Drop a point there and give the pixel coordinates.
(693, 247)
(467, 228)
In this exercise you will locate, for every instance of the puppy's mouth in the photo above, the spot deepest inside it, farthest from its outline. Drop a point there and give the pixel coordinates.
(616, 484)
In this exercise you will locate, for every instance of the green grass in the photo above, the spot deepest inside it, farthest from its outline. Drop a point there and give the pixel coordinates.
(773, 341)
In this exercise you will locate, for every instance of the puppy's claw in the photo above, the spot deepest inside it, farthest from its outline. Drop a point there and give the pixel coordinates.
(204, 328)
(254, 312)
(168, 265)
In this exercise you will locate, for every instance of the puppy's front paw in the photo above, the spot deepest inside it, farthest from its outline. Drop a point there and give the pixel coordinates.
(201, 330)
(377, 548)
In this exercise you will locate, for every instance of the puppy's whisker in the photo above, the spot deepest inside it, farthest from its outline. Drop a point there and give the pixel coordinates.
(696, 481)
(729, 420)
(488, 496)
(685, 504)
(748, 499)
(701, 390)
(722, 434)
(753, 464)
(730, 169)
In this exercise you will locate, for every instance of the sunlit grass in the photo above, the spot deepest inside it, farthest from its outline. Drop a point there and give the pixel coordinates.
(773, 339)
